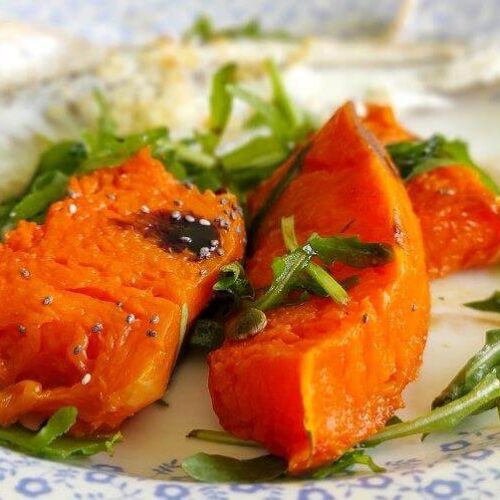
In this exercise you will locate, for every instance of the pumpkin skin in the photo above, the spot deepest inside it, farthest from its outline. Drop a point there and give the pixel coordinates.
(459, 215)
(94, 290)
(320, 377)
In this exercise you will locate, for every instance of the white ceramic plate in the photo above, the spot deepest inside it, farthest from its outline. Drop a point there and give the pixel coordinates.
(461, 464)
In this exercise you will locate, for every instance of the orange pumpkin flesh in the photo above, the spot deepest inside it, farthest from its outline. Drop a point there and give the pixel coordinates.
(320, 377)
(61, 283)
(459, 216)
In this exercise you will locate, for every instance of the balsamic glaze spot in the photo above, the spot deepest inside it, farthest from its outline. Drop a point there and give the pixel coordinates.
(176, 234)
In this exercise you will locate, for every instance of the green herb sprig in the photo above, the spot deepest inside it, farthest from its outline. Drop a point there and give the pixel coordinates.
(491, 304)
(416, 157)
(51, 441)
(193, 158)
(204, 31)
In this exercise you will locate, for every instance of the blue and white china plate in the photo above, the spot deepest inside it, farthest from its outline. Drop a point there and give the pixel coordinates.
(461, 464)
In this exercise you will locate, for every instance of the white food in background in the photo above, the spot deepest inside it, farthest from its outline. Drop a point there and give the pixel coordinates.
(166, 84)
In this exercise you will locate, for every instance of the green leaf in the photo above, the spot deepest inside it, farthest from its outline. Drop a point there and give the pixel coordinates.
(351, 251)
(204, 31)
(286, 269)
(445, 417)
(270, 114)
(213, 467)
(49, 188)
(324, 279)
(281, 99)
(259, 152)
(416, 157)
(221, 437)
(48, 441)
(345, 463)
(115, 150)
(319, 276)
(221, 101)
(65, 157)
(218, 468)
(490, 304)
(482, 363)
(233, 280)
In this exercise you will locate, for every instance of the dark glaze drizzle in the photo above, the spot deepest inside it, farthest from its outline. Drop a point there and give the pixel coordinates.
(175, 232)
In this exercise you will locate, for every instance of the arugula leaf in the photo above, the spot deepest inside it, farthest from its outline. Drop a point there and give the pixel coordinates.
(107, 151)
(322, 278)
(49, 187)
(218, 468)
(270, 114)
(65, 157)
(490, 304)
(221, 437)
(281, 99)
(50, 441)
(215, 468)
(351, 251)
(416, 157)
(258, 152)
(286, 269)
(482, 363)
(221, 101)
(445, 417)
(233, 280)
(345, 463)
(204, 31)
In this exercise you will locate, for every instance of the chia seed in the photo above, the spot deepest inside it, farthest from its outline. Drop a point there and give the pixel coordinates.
(47, 300)
(97, 328)
(130, 319)
(24, 273)
(204, 253)
(151, 333)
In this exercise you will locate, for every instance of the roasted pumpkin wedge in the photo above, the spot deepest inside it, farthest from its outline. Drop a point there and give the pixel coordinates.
(322, 377)
(96, 299)
(459, 215)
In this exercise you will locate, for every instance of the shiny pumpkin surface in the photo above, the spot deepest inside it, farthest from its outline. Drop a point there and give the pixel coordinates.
(321, 377)
(459, 216)
(93, 297)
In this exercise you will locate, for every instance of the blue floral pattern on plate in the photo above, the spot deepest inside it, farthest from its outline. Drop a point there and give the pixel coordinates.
(464, 467)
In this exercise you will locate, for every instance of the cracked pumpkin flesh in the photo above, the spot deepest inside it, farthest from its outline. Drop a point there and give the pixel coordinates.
(459, 215)
(321, 378)
(94, 291)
